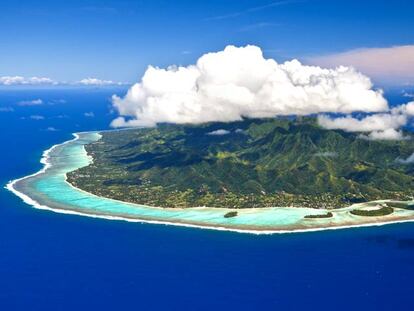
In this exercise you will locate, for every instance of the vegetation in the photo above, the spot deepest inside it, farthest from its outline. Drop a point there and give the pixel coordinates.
(403, 205)
(230, 214)
(383, 211)
(327, 215)
(260, 163)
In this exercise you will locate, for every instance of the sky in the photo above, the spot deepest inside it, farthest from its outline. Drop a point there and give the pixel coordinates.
(115, 41)
(220, 60)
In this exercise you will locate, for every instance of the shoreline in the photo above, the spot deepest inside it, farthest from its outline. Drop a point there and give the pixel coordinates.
(257, 231)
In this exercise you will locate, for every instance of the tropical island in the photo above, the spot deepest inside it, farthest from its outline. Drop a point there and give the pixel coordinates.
(253, 163)
(66, 183)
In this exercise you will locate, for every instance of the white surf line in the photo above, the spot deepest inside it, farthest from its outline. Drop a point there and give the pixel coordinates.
(37, 205)
(45, 161)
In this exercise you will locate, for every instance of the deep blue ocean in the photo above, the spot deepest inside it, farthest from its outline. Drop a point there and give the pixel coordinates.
(52, 261)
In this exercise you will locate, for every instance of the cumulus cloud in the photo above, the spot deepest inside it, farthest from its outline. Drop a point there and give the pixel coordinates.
(219, 132)
(37, 117)
(383, 126)
(19, 80)
(406, 109)
(387, 134)
(239, 82)
(391, 64)
(409, 160)
(89, 114)
(376, 122)
(98, 82)
(34, 102)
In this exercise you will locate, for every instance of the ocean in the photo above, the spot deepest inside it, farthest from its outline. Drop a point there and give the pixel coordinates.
(51, 261)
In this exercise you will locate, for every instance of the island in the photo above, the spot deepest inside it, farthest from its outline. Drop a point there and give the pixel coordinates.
(262, 176)
(230, 214)
(372, 211)
(317, 216)
(246, 164)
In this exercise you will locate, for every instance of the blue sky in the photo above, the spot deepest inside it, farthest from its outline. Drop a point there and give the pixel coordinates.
(116, 40)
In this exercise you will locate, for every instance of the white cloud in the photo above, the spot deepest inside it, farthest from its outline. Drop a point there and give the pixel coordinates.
(376, 122)
(385, 126)
(34, 102)
(57, 101)
(219, 132)
(51, 129)
(406, 109)
(37, 117)
(98, 82)
(89, 114)
(409, 160)
(391, 65)
(239, 82)
(19, 80)
(387, 134)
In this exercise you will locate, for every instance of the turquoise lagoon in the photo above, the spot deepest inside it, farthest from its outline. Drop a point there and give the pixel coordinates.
(48, 189)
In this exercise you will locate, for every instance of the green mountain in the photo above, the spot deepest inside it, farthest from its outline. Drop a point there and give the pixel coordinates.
(250, 163)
